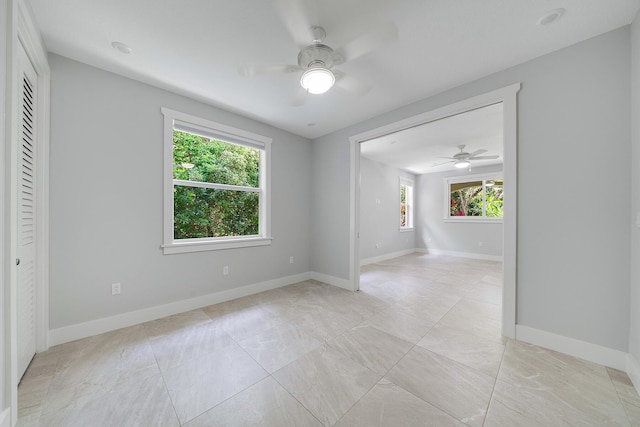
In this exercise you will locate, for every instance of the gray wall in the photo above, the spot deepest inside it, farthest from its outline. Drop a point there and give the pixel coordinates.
(432, 232)
(380, 222)
(574, 142)
(4, 337)
(634, 335)
(106, 200)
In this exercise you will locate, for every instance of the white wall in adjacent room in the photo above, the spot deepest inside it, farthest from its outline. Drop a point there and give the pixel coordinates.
(380, 210)
(433, 232)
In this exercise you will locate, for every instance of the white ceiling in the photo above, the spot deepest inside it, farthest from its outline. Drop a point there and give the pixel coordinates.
(195, 47)
(420, 149)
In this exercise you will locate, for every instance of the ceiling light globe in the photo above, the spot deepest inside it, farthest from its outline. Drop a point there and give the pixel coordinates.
(461, 164)
(317, 80)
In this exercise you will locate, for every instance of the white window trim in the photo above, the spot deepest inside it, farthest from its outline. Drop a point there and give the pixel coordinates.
(447, 202)
(203, 126)
(409, 182)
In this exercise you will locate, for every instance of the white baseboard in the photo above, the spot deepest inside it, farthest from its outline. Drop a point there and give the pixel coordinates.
(99, 326)
(470, 255)
(380, 258)
(332, 280)
(633, 370)
(591, 352)
(5, 418)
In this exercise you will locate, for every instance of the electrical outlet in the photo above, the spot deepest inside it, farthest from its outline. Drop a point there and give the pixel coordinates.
(225, 270)
(291, 259)
(115, 288)
(480, 244)
(378, 245)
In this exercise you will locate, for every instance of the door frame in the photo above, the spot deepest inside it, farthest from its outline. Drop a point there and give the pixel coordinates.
(508, 96)
(24, 34)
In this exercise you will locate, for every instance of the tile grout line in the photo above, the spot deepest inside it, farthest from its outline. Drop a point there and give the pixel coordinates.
(493, 389)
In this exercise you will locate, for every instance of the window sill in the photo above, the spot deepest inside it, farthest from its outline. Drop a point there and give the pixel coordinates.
(406, 229)
(477, 220)
(213, 245)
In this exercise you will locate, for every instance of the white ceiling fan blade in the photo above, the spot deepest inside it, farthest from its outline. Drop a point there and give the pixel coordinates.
(370, 41)
(443, 163)
(300, 98)
(483, 157)
(296, 19)
(475, 153)
(352, 84)
(252, 70)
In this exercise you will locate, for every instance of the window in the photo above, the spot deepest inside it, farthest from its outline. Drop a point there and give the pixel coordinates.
(216, 185)
(406, 204)
(474, 198)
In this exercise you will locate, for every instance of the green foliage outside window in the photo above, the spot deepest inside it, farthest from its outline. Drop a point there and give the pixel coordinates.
(467, 199)
(208, 212)
(403, 205)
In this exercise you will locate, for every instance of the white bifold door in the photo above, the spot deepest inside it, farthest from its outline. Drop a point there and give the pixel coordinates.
(26, 205)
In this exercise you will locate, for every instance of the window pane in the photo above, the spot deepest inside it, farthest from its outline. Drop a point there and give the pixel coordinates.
(197, 158)
(466, 199)
(494, 200)
(205, 212)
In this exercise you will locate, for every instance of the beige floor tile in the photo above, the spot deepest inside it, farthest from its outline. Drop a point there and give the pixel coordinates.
(265, 404)
(371, 347)
(450, 386)
(486, 293)
(526, 364)
(388, 405)
(479, 310)
(573, 388)
(167, 325)
(431, 308)
(326, 382)
(468, 349)
(462, 319)
(242, 322)
(520, 405)
(189, 343)
(628, 395)
(97, 364)
(138, 400)
(198, 385)
(280, 345)
(327, 323)
(401, 324)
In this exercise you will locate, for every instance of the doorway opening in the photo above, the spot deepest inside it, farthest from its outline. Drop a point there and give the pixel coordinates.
(507, 98)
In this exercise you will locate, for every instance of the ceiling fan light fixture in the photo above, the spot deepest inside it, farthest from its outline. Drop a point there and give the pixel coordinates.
(461, 164)
(317, 80)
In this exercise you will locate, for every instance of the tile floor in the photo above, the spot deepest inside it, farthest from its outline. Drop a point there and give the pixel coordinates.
(419, 345)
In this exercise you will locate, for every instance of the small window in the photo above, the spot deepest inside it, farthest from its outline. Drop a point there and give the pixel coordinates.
(406, 204)
(216, 186)
(474, 198)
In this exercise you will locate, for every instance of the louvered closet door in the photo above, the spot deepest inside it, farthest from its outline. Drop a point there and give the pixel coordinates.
(26, 270)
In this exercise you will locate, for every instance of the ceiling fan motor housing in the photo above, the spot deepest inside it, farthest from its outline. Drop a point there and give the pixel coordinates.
(316, 55)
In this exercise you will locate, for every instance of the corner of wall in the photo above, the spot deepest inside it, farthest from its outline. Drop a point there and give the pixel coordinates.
(633, 370)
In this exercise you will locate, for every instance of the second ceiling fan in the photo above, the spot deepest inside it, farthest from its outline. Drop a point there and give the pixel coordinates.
(463, 159)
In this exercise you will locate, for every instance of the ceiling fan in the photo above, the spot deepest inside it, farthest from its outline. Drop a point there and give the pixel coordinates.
(316, 59)
(463, 159)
